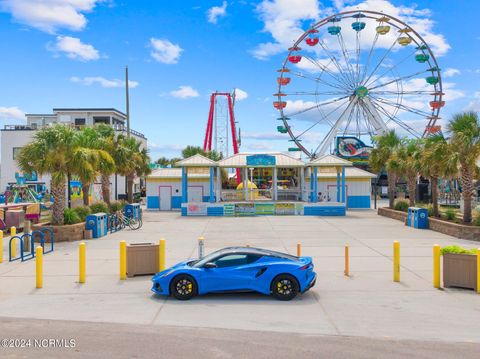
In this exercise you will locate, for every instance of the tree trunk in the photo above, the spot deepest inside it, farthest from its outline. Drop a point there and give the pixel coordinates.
(411, 184)
(467, 192)
(105, 180)
(130, 179)
(58, 193)
(85, 190)
(434, 187)
(392, 180)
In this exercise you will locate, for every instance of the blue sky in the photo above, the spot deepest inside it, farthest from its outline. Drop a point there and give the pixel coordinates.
(72, 53)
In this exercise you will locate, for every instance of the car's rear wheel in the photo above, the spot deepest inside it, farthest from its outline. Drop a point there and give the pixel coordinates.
(284, 287)
(183, 287)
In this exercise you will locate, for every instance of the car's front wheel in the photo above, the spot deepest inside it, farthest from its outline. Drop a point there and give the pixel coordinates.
(183, 287)
(285, 287)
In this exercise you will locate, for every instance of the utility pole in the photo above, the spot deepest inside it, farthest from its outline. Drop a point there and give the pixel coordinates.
(127, 101)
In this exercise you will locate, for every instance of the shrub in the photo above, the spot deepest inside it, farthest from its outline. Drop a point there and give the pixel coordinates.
(82, 212)
(99, 207)
(70, 216)
(430, 210)
(450, 214)
(457, 250)
(116, 206)
(401, 206)
(476, 220)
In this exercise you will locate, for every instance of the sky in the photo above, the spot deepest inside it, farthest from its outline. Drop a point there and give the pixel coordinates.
(73, 53)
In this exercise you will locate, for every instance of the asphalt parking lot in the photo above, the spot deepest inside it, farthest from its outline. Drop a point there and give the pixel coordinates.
(366, 304)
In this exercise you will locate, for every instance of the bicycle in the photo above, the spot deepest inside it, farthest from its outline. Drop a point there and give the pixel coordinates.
(132, 222)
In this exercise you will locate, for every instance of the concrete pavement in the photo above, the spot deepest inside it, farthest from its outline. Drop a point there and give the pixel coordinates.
(105, 340)
(367, 304)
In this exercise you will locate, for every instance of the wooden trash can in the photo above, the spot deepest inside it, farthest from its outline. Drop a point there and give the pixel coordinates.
(460, 270)
(142, 259)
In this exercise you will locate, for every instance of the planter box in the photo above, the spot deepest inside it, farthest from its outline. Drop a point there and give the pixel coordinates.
(66, 233)
(142, 259)
(460, 270)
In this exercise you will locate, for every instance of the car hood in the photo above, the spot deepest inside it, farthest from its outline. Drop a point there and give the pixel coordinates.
(180, 265)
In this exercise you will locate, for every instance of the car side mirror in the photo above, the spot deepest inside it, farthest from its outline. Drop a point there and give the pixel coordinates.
(209, 265)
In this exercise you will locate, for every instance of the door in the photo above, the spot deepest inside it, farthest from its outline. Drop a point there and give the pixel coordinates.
(195, 194)
(234, 272)
(165, 198)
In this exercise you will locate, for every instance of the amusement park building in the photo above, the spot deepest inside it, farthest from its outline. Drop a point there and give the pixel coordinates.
(339, 186)
(14, 137)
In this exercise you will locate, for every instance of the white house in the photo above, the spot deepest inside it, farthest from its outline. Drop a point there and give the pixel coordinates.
(14, 137)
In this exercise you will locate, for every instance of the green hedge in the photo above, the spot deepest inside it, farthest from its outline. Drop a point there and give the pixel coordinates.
(457, 250)
(401, 206)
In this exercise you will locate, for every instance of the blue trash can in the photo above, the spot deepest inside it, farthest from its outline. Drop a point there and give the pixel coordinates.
(132, 210)
(411, 211)
(98, 223)
(420, 218)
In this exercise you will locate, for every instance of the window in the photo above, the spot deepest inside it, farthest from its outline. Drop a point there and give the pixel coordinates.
(79, 122)
(101, 119)
(16, 151)
(231, 260)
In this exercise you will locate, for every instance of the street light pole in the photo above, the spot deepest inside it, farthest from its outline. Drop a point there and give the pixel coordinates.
(127, 101)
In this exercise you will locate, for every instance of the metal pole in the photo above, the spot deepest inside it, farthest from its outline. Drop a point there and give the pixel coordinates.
(127, 101)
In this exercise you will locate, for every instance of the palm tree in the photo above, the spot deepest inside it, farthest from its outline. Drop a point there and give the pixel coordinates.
(107, 141)
(51, 152)
(132, 161)
(91, 159)
(380, 159)
(406, 160)
(464, 129)
(436, 162)
(189, 151)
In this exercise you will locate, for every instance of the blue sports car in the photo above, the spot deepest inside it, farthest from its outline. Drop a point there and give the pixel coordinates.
(238, 269)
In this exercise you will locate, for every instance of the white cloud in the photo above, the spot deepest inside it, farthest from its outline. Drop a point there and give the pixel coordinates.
(74, 49)
(103, 82)
(474, 104)
(153, 147)
(215, 12)
(450, 72)
(240, 94)
(50, 15)
(263, 136)
(283, 20)
(286, 21)
(164, 51)
(11, 113)
(184, 92)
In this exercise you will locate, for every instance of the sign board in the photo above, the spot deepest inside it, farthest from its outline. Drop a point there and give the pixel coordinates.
(264, 208)
(260, 160)
(244, 209)
(197, 209)
(229, 210)
(285, 209)
(350, 147)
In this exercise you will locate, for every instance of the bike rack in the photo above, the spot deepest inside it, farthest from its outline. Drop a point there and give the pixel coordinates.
(41, 233)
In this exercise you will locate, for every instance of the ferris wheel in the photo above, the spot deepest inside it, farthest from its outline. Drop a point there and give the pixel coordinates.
(357, 73)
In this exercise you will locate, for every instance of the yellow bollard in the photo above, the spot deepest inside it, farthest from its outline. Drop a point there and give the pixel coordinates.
(123, 260)
(13, 245)
(478, 270)
(81, 262)
(346, 272)
(1, 246)
(396, 261)
(161, 255)
(436, 266)
(299, 249)
(39, 266)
